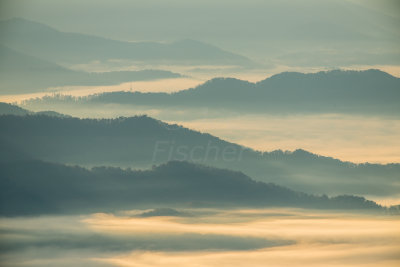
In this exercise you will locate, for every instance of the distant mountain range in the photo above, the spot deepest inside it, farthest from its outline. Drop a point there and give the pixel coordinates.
(366, 92)
(44, 42)
(22, 73)
(9, 109)
(32, 187)
(141, 142)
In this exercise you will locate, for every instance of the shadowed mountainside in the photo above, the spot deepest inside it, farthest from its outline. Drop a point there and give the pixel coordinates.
(9, 109)
(32, 187)
(141, 142)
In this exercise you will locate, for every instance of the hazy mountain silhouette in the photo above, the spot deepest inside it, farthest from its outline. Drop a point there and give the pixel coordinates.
(21, 73)
(307, 33)
(45, 42)
(337, 91)
(9, 109)
(142, 141)
(29, 187)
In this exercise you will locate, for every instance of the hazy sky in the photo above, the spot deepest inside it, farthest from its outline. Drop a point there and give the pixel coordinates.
(336, 31)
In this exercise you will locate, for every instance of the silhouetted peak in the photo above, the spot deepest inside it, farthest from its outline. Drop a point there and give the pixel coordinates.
(164, 212)
(361, 74)
(51, 114)
(337, 73)
(139, 122)
(222, 84)
(9, 109)
(376, 72)
(283, 76)
(225, 80)
(303, 153)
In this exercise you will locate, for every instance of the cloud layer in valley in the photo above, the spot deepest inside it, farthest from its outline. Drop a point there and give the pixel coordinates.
(209, 237)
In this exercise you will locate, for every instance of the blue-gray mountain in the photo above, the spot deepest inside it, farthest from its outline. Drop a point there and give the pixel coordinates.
(364, 92)
(32, 187)
(72, 48)
(143, 141)
(9, 109)
(22, 73)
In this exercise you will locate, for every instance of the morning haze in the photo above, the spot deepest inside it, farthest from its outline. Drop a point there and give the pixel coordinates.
(199, 133)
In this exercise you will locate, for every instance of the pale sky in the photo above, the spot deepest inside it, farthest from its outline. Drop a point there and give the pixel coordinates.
(267, 31)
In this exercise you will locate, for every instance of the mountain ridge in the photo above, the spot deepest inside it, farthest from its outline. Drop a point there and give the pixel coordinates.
(337, 91)
(55, 188)
(141, 142)
(40, 74)
(67, 47)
